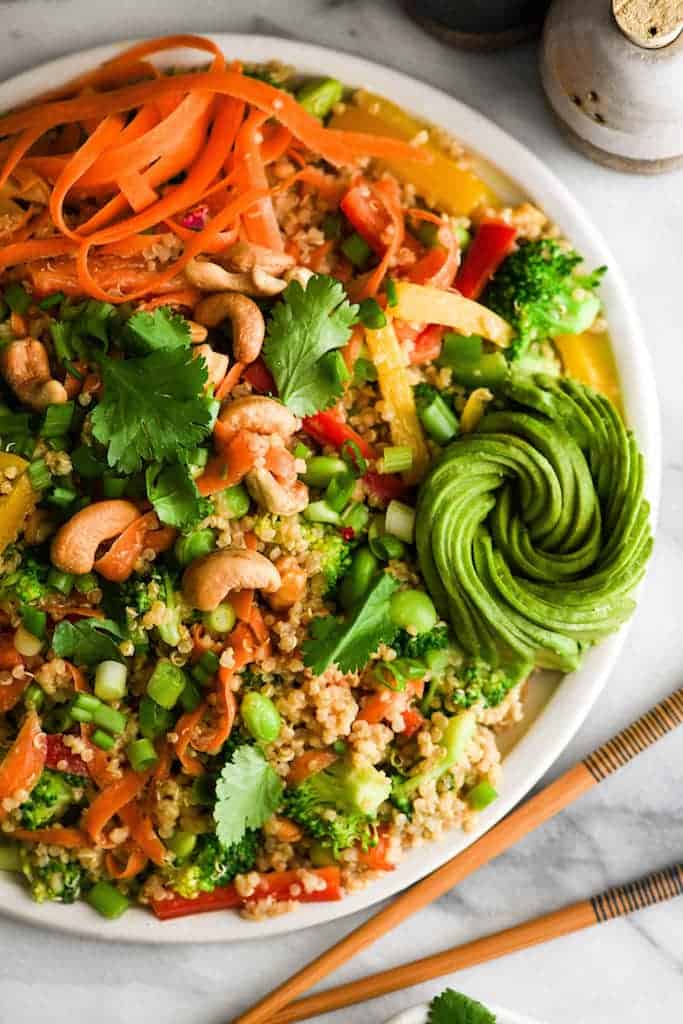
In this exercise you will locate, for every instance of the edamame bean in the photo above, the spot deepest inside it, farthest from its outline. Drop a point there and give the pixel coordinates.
(260, 716)
(414, 610)
(322, 468)
(357, 580)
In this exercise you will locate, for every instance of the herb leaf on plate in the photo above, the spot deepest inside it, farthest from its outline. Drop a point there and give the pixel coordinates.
(174, 495)
(248, 792)
(456, 1008)
(88, 641)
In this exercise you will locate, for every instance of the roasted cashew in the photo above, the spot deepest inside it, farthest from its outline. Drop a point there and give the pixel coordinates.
(26, 368)
(301, 274)
(280, 499)
(260, 415)
(208, 580)
(248, 327)
(216, 364)
(210, 277)
(293, 584)
(76, 542)
(246, 256)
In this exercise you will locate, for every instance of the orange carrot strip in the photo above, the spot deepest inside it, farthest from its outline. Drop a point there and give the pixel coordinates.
(211, 740)
(184, 728)
(260, 222)
(250, 541)
(56, 835)
(230, 380)
(119, 561)
(9, 655)
(387, 192)
(141, 829)
(188, 297)
(308, 764)
(10, 695)
(110, 801)
(24, 761)
(242, 601)
(136, 861)
(258, 626)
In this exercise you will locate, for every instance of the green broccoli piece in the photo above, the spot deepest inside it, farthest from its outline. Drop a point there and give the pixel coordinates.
(539, 357)
(132, 593)
(214, 865)
(335, 552)
(408, 646)
(456, 736)
(339, 805)
(27, 584)
(55, 880)
(169, 631)
(485, 683)
(50, 798)
(537, 291)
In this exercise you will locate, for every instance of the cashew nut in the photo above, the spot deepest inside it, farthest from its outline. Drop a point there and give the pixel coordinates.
(246, 256)
(216, 364)
(260, 415)
(210, 277)
(248, 327)
(208, 580)
(26, 368)
(301, 274)
(280, 499)
(75, 545)
(293, 584)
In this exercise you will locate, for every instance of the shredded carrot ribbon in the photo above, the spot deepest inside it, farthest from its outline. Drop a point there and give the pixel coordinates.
(109, 802)
(24, 761)
(56, 835)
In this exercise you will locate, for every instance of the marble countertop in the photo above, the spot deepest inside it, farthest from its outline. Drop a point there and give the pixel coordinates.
(623, 972)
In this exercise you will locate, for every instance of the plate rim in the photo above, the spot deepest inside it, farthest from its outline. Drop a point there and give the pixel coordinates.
(562, 717)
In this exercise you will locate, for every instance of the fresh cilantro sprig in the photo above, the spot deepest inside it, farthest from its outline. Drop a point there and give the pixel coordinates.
(455, 1008)
(306, 329)
(150, 332)
(174, 495)
(152, 407)
(349, 643)
(88, 641)
(248, 793)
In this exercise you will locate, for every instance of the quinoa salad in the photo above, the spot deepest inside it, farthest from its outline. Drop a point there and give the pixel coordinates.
(311, 451)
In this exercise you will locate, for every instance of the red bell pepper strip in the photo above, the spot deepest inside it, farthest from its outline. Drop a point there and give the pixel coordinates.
(375, 857)
(260, 378)
(367, 215)
(427, 345)
(492, 243)
(438, 266)
(280, 885)
(412, 722)
(385, 486)
(327, 428)
(59, 757)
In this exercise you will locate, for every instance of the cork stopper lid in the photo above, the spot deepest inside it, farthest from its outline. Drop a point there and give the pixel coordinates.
(649, 23)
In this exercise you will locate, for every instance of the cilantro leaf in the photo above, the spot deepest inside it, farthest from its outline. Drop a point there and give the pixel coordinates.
(88, 641)
(351, 642)
(151, 407)
(174, 495)
(304, 332)
(455, 1008)
(78, 325)
(150, 332)
(248, 792)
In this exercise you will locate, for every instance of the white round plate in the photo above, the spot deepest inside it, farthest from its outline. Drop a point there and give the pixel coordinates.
(418, 1015)
(570, 703)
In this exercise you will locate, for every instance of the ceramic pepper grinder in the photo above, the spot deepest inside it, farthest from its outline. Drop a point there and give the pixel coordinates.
(613, 74)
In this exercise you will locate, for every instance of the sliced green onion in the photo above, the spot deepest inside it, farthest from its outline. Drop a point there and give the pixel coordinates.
(57, 419)
(87, 582)
(323, 468)
(80, 715)
(391, 293)
(153, 720)
(102, 739)
(364, 370)
(339, 491)
(382, 544)
(460, 350)
(181, 844)
(356, 250)
(106, 899)
(353, 457)
(166, 684)
(439, 421)
(34, 696)
(86, 463)
(221, 620)
(109, 718)
(371, 314)
(141, 754)
(471, 366)
(27, 643)
(62, 497)
(194, 545)
(39, 475)
(206, 667)
(86, 701)
(110, 680)
(233, 502)
(34, 620)
(320, 512)
(356, 516)
(400, 521)
(320, 96)
(10, 857)
(61, 581)
(396, 459)
(51, 300)
(191, 697)
(334, 367)
(17, 298)
(114, 486)
(481, 795)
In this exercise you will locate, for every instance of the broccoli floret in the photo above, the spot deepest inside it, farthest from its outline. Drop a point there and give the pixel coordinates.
(539, 357)
(27, 584)
(339, 805)
(483, 682)
(537, 291)
(214, 865)
(55, 880)
(335, 552)
(169, 630)
(132, 593)
(456, 736)
(408, 646)
(50, 798)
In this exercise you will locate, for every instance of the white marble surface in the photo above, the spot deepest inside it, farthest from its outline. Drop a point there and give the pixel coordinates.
(621, 973)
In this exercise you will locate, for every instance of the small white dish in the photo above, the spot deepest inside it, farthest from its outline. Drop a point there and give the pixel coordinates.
(418, 1015)
(558, 711)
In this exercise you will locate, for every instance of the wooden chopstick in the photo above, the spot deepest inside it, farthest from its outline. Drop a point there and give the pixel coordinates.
(617, 901)
(612, 755)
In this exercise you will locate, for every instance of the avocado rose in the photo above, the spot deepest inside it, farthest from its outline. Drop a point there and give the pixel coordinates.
(533, 532)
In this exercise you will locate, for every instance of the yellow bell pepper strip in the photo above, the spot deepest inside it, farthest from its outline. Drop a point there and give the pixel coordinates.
(589, 358)
(442, 183)
(475, 407)
(15, 506)
(394, 383)
(423, 304)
